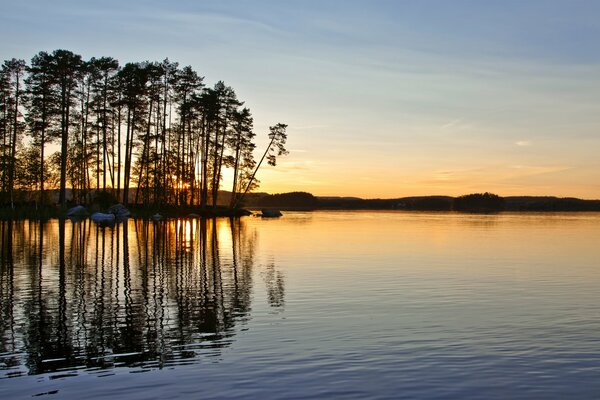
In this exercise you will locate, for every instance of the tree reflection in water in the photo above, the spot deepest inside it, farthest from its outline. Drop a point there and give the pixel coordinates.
(147, 294)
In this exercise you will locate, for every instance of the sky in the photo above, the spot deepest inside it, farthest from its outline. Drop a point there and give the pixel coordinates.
(382, 98)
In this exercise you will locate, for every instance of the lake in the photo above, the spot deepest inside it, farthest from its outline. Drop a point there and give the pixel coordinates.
(311, 305)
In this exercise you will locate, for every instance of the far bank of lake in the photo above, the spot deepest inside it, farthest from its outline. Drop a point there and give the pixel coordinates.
(302, 201)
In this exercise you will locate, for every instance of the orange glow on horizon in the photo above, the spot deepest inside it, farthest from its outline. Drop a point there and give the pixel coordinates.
(394, 184)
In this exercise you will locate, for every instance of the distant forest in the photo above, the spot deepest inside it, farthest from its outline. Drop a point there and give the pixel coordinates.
(148, 133)
(478, 202)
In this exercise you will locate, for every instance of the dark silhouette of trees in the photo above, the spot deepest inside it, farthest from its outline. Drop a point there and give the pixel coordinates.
(42, 109)
(241, 160)
(5, 130)
(300, 200)
(276, 147)
(225, 103)
(65, 69)
(187, 84)
(104, 71)
(479, 202)
(147, 133)
(11, 76)
(132, 80)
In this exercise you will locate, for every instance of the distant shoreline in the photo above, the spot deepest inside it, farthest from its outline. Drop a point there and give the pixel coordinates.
(302, 201)
(306, 201)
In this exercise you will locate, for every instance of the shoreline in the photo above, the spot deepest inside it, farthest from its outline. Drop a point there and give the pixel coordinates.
(21, 214)
(136, 212)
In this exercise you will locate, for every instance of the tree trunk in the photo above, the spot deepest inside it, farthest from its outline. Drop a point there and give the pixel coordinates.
(104, 132)
(204, 198)
(13, 151)
(218, 166)
(126, 166)
(119, 153)
(62, 199)
(236, 167)
(214, 166)
(42, 143)
(239, 200)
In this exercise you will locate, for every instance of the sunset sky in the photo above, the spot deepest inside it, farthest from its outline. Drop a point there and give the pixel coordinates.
(382, 98)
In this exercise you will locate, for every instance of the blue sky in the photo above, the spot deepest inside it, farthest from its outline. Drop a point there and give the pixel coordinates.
(382, 98)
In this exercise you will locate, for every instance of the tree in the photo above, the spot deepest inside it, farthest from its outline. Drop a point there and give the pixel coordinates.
(78, 155)
(207, 104)
(12, 75)
(65, 67)
(162, 164)
(226, 103)
(242, 146)
(104, 69)
(133, 78)
(41, 103)
(187, 84)
(28, 167)
(142, 165)
(5, 131)
(275, 148)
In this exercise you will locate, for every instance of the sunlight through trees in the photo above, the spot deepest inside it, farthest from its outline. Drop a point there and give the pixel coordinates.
(148, 133)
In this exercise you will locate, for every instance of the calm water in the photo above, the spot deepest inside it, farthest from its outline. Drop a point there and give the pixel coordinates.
(324, 304)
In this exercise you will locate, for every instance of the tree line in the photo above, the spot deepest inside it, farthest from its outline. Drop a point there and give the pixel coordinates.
(148, 133)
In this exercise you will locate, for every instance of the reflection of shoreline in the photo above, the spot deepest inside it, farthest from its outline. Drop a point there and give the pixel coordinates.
(75, 295)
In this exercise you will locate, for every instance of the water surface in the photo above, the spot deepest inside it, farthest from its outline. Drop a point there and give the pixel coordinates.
(323, 304)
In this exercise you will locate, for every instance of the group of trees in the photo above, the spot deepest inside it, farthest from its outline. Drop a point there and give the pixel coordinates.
(479, 202)
(148, 133)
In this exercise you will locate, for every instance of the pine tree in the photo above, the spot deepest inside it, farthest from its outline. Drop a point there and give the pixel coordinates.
(12, 74)
(42, 110)
(65, 67)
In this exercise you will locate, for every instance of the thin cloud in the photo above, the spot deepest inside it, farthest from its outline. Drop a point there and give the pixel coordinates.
(523, 143)
(452, 123)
